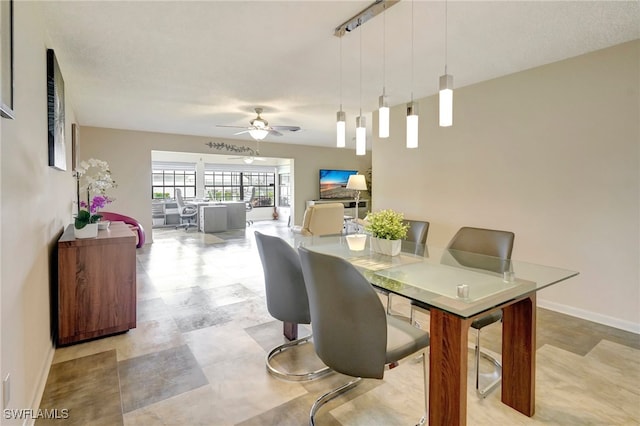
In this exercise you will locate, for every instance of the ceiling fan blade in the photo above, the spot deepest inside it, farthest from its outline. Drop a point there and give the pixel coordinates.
(286, 128)
(274, 132)
(239, 133)
(233, 127)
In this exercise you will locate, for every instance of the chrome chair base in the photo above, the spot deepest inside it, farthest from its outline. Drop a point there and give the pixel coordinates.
(495, 377)
(329, 396)
(187, 225)
(356, 381)
(293, 377)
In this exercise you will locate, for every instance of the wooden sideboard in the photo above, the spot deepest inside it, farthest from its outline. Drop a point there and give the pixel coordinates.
(96, 284)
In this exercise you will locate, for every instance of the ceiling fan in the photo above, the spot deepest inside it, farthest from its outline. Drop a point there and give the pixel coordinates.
(259, 127)
(254, 155)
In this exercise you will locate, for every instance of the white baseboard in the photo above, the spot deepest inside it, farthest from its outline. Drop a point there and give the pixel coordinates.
(42, 382)
(590, 316)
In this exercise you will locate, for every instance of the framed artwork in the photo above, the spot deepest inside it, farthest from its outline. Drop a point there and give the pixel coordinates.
(75, 140)
(55, 113)
(6, 52)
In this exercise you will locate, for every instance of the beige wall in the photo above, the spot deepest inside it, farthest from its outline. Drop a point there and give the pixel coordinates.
(129, 156)
(36, 206)
(550, 153)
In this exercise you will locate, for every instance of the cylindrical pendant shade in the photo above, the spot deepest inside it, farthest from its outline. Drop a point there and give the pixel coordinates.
(412, 125)
(361, 136)
(383, 117)
(446, 100)
(341, 130)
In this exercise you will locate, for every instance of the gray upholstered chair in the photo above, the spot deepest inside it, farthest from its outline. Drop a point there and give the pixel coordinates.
(488, 242)
(418, 230)
(286, 297)
(417, 233)
(352, 333)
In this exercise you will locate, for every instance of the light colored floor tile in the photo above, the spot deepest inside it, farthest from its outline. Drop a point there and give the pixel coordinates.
(197, 291)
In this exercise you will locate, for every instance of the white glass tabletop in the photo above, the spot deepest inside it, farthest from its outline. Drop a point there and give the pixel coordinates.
(464, 284)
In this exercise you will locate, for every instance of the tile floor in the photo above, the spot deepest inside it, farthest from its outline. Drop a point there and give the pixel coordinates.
(197, 357)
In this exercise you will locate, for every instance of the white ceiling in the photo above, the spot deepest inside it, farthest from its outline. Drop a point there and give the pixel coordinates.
(185, 66)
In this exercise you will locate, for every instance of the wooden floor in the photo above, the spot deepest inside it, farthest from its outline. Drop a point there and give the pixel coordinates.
(197, 357)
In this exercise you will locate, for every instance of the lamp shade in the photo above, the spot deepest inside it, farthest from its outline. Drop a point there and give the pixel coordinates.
(357, 182)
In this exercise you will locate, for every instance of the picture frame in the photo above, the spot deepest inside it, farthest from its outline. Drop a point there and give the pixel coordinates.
(55, 113)
(6, 52)
(75, 155)
(75, 141)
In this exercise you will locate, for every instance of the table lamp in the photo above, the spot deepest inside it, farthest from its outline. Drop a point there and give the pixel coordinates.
(357, 183)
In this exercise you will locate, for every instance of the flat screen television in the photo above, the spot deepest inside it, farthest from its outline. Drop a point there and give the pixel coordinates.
(333, 184)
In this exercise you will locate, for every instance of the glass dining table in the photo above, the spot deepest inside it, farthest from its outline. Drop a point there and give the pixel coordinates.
(458, 287)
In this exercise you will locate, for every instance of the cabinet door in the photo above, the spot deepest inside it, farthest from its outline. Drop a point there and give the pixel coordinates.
(97, 291)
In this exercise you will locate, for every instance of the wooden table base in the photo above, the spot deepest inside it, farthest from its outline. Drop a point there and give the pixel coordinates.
(449, 356)
(519, 355)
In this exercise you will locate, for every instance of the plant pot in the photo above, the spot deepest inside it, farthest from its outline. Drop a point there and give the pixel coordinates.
(89, 231)
(386, 247)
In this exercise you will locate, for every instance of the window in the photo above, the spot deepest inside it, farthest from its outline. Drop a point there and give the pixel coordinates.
(284, 194)
(223, 186)
(264, 188)
(256, 187)
(166, 177)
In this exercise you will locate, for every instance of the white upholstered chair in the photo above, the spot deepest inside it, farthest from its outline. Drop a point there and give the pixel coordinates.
(322, 219)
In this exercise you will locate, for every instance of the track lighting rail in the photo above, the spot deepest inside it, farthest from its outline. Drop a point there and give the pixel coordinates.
(370, 12)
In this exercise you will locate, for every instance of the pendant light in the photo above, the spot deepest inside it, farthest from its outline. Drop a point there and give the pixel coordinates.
(361, 128)
(383, 106)
(446, 84)
(412, 107)
(341, 125)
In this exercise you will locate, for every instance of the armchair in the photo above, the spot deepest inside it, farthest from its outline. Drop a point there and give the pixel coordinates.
(322, 219)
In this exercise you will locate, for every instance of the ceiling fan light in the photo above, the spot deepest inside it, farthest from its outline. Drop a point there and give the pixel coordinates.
(260, 124)
(258, 134)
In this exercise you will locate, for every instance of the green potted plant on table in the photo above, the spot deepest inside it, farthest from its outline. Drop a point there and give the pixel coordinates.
(387, 229)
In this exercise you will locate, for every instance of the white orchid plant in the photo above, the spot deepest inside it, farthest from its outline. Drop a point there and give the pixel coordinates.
(94, 177)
